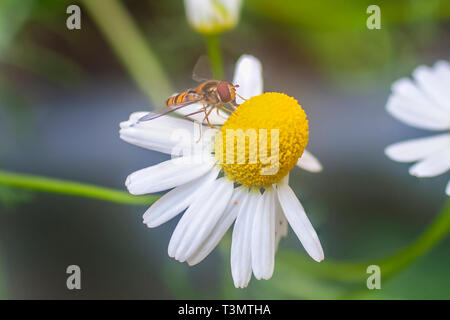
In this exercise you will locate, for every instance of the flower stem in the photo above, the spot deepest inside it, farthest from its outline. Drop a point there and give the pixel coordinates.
(391, 265)
(436, 232)
(50, 185)
(130, 46)
(215, 55)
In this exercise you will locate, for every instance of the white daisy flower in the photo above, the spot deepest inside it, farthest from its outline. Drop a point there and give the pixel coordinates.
(423, 103)
(212, 16)
(261, 207)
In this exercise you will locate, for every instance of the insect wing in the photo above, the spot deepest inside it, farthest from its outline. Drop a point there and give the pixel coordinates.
(163, 111)
(202, 70)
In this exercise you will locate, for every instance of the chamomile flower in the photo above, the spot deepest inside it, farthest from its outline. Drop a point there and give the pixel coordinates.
(215, 192)
(212, 16)
(423, 103)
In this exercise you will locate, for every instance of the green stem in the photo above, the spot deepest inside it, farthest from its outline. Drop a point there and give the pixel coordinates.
(391, 266)
(215, 55)
(130, 46)
(44, 184)
(436, 232)
(356, 271)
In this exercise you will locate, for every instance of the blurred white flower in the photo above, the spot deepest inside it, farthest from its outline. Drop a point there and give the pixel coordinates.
(213, 16)
(212, 204)
(423, 103)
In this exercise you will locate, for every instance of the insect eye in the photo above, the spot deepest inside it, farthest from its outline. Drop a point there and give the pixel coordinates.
(224, 91)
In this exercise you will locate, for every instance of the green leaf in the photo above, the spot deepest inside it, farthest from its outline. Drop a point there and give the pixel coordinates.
(130, 46)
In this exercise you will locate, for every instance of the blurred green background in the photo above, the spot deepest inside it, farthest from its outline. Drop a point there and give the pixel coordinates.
(63, 93)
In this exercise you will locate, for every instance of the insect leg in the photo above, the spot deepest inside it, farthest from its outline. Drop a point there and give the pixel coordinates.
(191, 114)
(240, 96)
(201, 130)
(207, 119)
(224, 108)
(218, 113)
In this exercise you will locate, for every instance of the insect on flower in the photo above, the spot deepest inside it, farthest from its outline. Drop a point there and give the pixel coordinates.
(204, 187)
(213, 94)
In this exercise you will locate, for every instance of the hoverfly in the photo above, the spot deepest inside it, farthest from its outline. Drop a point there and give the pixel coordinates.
(212, 94)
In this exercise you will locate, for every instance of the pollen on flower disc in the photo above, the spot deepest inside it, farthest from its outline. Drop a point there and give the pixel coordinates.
(262, 139)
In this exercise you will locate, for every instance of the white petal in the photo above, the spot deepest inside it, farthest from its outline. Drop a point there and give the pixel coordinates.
(296, 216)
(411, 112)
(433, 86)
(176, 200)
(168, 174)
(177, 235)
(263, 236)
(161, 134)
(248, 75)
(447, 189)
(281, 228)
(199, 219)
(442, 69)
(433, 165)
(241, 258)
(132, 119)
(416, 149)
(414, 97)
(285, 180)
(308, 162)
(221, 228)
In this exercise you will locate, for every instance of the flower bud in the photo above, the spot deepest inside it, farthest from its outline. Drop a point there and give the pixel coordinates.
(212, 16)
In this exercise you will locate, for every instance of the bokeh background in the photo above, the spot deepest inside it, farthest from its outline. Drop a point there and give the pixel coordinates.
(63, 93)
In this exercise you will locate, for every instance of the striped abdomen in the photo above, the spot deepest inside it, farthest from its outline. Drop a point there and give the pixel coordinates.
(186, 97)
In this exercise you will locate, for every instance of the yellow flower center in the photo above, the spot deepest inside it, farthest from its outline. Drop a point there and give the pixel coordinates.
(262, 140)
